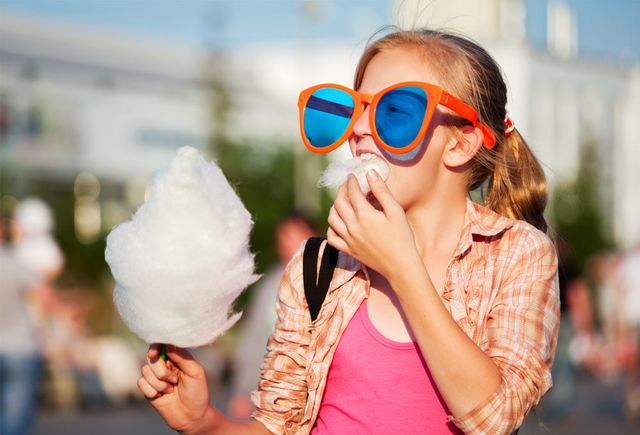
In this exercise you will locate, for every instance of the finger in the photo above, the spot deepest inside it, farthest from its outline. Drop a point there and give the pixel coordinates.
(381, 191)
(184, 361)
(157, 384)
(337, 224)
(146, 388)
(356, 196)
(159, 366)
(154, 351)
(342, 190)
(337, 242)
(343, 207)
(172, 367)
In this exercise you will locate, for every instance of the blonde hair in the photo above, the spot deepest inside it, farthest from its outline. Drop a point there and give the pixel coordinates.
(516, 182)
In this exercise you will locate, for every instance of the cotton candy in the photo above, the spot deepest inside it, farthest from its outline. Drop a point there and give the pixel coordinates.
(336, 173)
(183, 259)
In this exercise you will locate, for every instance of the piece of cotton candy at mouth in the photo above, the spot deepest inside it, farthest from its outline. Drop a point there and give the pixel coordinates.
(337, 172)
(183, 259)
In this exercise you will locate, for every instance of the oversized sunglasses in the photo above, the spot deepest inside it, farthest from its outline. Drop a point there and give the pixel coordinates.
(399, 117)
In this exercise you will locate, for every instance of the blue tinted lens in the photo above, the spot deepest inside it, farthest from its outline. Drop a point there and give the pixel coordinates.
(399, 115)
(327, 116)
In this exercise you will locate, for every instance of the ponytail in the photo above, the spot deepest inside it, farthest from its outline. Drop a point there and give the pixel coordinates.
(517, 187)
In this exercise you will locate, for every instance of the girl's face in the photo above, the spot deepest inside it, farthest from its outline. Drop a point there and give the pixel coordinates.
(412, 175)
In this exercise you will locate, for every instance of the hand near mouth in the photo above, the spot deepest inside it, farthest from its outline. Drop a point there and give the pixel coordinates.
(373, 230)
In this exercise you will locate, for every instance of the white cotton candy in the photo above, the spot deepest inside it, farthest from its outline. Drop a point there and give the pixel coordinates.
(336, 173)
(184, 258)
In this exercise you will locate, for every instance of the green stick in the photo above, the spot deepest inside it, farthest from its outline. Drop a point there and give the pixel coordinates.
(163, 352)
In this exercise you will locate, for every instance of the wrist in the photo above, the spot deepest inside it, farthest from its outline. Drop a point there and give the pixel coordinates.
(407, 270)
(210, 421)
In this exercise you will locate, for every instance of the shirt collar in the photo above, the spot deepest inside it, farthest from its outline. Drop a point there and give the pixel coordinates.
(478, 220)
(482, 221)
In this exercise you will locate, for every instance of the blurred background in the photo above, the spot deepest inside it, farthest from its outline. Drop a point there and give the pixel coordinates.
(95, 96)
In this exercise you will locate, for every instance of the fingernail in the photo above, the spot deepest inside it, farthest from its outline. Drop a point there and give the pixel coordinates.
(173, 379)
(373, 174)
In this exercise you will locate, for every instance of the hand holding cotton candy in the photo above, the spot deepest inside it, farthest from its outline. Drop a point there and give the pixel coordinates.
(184, 258)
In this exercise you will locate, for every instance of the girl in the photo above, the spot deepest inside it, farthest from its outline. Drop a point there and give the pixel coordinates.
(442, 314)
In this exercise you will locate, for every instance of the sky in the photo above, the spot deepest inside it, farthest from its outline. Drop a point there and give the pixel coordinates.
(606, 28)
(228, 22)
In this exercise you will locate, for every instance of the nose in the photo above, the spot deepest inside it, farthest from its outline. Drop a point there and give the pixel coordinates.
(361, 127)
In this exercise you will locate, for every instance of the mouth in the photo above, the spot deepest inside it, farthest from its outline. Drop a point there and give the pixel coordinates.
(366, 153)
(372, 161)
(337, 172)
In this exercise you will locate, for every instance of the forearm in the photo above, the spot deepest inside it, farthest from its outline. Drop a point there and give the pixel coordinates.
(215, 423)
(464, 374)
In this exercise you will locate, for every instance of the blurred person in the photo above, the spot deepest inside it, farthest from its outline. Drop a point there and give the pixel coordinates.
(260, 315)
(557, 403)
(35, 250)
(629, 275)
(583, 347)
(33, 240)
(605, 271)
(20, 347)
(70, 353)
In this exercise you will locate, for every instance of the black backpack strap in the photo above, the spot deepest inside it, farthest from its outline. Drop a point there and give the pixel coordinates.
(316, 285)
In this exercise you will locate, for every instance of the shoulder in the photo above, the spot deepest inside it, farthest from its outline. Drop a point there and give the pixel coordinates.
(508, 237)
(291, 285)
(513, 246)
(523, 238)
(526, 255)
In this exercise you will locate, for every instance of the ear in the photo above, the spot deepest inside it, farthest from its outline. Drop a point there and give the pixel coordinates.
(459, 150)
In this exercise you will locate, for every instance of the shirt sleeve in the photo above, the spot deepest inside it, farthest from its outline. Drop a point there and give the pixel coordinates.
(282, 390)
(520, 336)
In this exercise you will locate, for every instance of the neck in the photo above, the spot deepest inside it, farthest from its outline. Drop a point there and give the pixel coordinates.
(437, 222)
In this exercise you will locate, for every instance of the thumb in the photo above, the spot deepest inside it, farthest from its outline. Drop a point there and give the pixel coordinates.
(380, 190)
(184, 361)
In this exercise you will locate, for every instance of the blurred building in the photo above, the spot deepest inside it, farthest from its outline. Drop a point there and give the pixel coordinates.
(76, 99)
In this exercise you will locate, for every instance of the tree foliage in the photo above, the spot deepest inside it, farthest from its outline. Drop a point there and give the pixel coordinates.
(577, 213)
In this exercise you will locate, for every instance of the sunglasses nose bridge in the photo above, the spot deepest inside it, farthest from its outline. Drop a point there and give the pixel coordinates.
(365, 102)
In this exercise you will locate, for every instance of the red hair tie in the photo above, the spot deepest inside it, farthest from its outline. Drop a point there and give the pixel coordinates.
(509, 126)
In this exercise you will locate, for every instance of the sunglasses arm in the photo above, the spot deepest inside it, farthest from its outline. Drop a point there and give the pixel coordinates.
(468, 113)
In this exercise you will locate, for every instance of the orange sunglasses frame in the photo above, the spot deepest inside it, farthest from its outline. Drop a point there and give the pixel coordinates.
(436, 95)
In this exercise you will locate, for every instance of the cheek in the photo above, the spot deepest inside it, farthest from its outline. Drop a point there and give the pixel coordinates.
(402, 186)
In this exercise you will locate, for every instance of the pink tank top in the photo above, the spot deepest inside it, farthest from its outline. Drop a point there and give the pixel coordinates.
(379, 386)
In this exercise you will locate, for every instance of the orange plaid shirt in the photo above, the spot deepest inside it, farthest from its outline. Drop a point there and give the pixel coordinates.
(501, 288)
